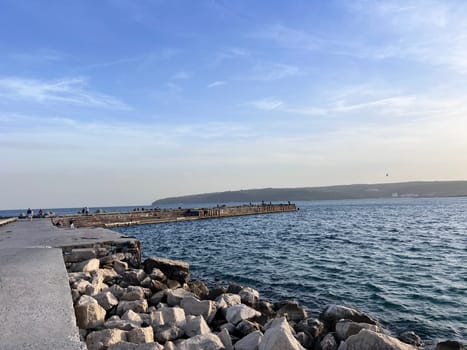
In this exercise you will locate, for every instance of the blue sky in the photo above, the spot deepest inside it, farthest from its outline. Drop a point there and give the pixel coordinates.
(122, 102)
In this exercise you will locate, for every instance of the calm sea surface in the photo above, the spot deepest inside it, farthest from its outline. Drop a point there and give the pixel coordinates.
(402, 260)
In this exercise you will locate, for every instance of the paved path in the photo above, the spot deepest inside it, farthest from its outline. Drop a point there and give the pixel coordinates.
(36, 308)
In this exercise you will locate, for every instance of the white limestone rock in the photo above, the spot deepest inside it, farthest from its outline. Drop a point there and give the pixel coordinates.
(141, 335)
(196, 325)
(86, 266)
(133, 293)
(225, 338)
(279, 336)
(132, 317)
(101, 340)
(174, 297)
(208, 341)
(368, 340)
(173, 316)
(196, 307)
(237, 313)
(138, 306)
(249, 342)
(347, 328)
(106, 299)
(89, 314)
(249, 296)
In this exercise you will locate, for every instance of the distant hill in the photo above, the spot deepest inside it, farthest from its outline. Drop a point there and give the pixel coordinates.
(360, 191)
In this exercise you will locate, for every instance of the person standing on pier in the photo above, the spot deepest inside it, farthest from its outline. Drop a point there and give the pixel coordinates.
(30, 214)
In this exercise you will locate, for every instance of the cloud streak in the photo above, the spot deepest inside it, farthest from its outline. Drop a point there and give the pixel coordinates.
(65, 91)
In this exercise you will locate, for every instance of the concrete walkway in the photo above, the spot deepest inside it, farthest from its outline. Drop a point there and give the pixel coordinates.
(36, 308)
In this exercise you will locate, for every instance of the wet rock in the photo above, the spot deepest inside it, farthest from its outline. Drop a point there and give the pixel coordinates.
(328, 342)
(173, 269)
(208, 341)
(89, 314)
(174, 297)
(237, 313)
(249, 296)
(86, 266)
(196, 325)
(369, 340)
(249, 342)
(292, 311)
(279, 336)
(101, 340)
(347, 328)
(311, 326)
(193, 306)
(168, 332)
(106, 299)
(138, 306)
(449, 345)
(140, 335)
(133, 293)
(333, 313)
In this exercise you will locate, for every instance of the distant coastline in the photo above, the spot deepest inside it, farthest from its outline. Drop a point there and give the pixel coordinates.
(412, 189)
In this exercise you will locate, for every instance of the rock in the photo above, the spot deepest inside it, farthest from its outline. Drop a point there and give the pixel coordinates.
(328, 342)
(74, 277)
(132, 346)
(237, 313)
(226, 300)
(168, 332)
(229, 327)
(81, 286)
(292, 311)
(411, 338)
(449, 345)
(109, 275)
(249, 296)
(158, 297)
(173, 269)
(199, 289)
(138, 306)
(250, 342)
(234, 288)
(133, 318)
(115, 290)
(173, 284)
(86, 266)
(173, 315)
(305, 340)
(347, 328)
(101, 340)
(169, 346)
(174, 297)
(158, 275)
(311, 326)
(156, 318)
(193, 306)
(246, 327)
(157, 286)
(278, 336)
(369, 340)
(133, 293)
(196, 325)
(116, 322)
(89, 314)
(141, 335)
(75, 295)
(134, 277)
(216, 291)
(79, 254)
(208, 341)
(106, 299)
(333, 313)
(120, 266)
(224, 336)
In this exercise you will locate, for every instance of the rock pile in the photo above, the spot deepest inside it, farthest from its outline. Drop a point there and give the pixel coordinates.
(156, 307)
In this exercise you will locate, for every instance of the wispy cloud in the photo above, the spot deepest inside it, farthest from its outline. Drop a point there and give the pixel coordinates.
(182, 75)
(266, 71)
(68, 91)
(267, 104)
(216, 83)
(38, 56)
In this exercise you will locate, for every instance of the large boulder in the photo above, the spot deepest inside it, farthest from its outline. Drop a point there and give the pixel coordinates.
(237, 313)
(450, 345)
(369, 340)
(101, 340)
(106, 299)
(208, 341)
(173, 316)
(292, 311)
(138, 306)
(249, 296)
(140, 335)
(347, 328)
(133, 293)
(89, 314)
(196, 325)
(175, 297)
(225, 338)
(249, 342)
(168, 332)
(193, 306)
(311, 326)
(173, 269)
(279, 336)
(116, 322)
(133, 318)
(86, 266)
(328, 342)
(333, 313)
(411, 338)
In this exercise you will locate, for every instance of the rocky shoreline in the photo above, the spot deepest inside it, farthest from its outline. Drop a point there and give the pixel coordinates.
(123, 305)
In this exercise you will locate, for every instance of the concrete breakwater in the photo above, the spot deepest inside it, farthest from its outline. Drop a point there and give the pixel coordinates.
(153, 216)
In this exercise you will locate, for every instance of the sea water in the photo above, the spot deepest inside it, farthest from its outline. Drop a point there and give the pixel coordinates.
(404, 261)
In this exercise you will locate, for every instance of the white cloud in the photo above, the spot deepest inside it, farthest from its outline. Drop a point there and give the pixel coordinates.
(182, 75)
(266, 71)
(267, 104)
(216, 83)
(67, 91)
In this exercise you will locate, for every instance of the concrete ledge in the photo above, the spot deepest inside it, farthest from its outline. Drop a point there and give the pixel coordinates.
(7, 221)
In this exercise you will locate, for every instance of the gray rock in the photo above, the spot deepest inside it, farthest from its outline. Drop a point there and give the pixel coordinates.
(81, 286)
(411, 338)
(196, 325)
(132, 317)
(237, 313)
(279, 336)
(173, 284)
(116, 322)
(101, 340)
(311, 326)
(369, 340)
(106, 299)
(138, 306)
(193, 306)
(140, 335)
(173, 316)
(89, 314)
(116, 290)
(168, 332)
(86, 266)
(134, 277)
(158, 275)
(156, 298)
(328, 342)
(333, 313)
(170, 346)
(199, 289)
(133, 293)
(74, 277)
(249, 296)
(132, 346)
(246, 327)
(305, 340)
(249, 342)
(175, 297)
(225, 338)
(173, 269)
(292, 311)
(450, 345)
(208, 341)
(120, 266)
(229, 326)
(347, 328)
(226, 300)
(109, 275)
